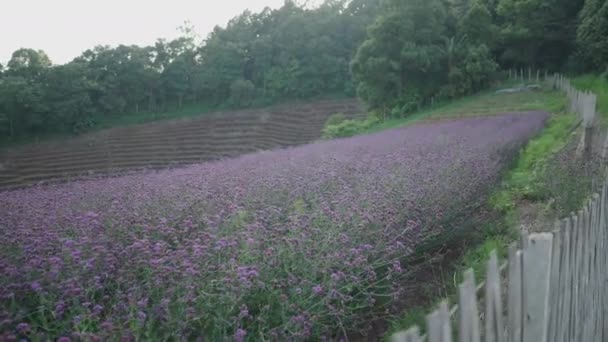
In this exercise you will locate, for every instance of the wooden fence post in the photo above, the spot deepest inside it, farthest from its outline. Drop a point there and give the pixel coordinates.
(536, 276)
(566, 279)
(468, 327)
(494, 328)
(515, 294)
(438, 324)
(410, 335)
(602, 259)
(596, 269)
(555, 289)
(605, 149)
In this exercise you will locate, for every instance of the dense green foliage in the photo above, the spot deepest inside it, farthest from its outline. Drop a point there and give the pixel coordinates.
(418, 51)
(335, 119)
(592, 34)
(397, 55)
(348, 128)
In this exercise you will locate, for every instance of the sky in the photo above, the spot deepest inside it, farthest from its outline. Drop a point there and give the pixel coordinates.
(66, 28)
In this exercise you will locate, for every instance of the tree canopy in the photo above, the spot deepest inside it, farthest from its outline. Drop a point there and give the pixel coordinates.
(417, 51)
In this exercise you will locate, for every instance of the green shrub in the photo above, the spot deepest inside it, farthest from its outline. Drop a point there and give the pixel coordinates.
(335, 119)
(83, 125)
(348, 128)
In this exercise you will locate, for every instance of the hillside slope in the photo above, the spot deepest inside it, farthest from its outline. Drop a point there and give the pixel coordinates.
(278, 244)
(162, 144)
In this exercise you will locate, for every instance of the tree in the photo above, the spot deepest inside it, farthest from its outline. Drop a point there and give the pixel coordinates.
(460, 7)
(28, 63)
(592, 34)
(75, 111)
(470, 70)
(177, 79)
(401, 62)
(538, 33)
(22, 105)
(242, 93)
(222, 62)
(477, 25)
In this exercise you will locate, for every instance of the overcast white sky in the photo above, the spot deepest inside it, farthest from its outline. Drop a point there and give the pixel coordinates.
(65, 28)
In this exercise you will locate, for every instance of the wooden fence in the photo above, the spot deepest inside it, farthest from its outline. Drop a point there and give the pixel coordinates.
(553, 287)
(556, 288)
(582, 103)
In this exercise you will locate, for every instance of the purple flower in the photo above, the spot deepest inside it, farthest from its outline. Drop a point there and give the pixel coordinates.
(36, 286)
(244, 313)
(107, 326)
(97, 309)
(142, 303)
(246, 274)
(23, 328)
(91, 214)
(141, 316)
(239, 335)
(60, 308)
(397, 266)
(337, 276)
(298, 319)
(249, 237)
(366, 247)
(64, 339)
(317, 289)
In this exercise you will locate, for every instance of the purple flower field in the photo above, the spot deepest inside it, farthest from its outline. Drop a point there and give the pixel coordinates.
(306, 242)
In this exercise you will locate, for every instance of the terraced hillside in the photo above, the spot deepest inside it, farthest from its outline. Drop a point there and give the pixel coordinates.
(163, 144)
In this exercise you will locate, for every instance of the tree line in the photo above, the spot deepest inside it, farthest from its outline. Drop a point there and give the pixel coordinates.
(259, 58)
(420, 50)
(397, 55)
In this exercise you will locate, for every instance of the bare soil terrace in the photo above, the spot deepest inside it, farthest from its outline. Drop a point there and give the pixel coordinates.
(169, 143)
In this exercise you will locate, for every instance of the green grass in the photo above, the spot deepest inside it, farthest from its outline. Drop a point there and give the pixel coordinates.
(598, 85)
(524, 181)
(487, 103)
(483, 104)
